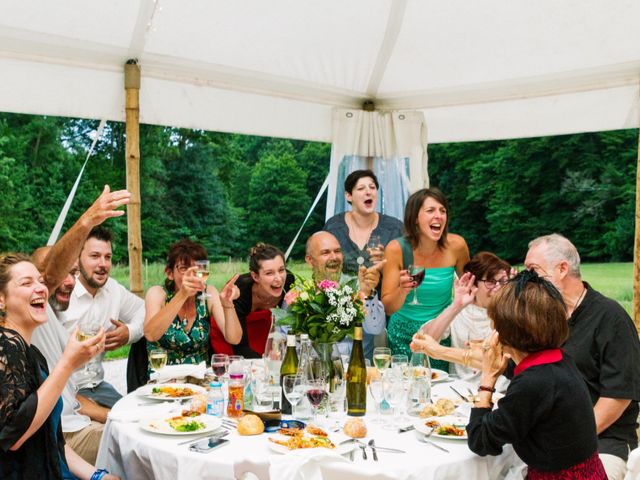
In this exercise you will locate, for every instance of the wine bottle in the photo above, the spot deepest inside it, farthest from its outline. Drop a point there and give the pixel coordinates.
(357, 377)
(289, 367)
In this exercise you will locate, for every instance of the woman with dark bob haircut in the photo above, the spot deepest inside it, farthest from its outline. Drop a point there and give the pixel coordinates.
(176, 317)
(546, 413)
(426, 243)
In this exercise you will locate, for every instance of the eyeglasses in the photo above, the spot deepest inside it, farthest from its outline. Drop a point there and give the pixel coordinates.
(491, 284)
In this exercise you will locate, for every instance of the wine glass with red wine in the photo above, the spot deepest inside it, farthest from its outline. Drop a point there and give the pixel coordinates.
(316, 393)
(417, 274)
(219, 364)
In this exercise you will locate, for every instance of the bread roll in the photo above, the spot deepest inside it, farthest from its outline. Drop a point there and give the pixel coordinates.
(250, 425)
(355, 428)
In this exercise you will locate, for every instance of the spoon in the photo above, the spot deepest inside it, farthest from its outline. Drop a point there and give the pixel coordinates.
(424, 439)
(372, 444)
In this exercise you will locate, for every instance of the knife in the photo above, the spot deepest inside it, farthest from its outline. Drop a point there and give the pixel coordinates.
(372, 444)
(387, 449)
(465, 399)
(406, 429)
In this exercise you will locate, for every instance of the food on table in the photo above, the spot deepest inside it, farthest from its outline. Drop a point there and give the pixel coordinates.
(185, 424)
(291, 432)
(172, 392)
(355, 428)
(303, 441)
(313, 430)
(250, 425)
(446, 429)
(442, 406)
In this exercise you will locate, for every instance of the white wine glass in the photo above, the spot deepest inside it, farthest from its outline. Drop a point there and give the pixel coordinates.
(394, 394)
(202, 272)
(375, 249)
(381, 358)
(417, 275)
(293, 387)
(88, 327)
(157, 359)
(375, 389)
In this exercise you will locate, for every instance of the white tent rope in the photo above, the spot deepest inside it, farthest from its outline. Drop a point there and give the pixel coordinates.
(55, 233)
(313, 205)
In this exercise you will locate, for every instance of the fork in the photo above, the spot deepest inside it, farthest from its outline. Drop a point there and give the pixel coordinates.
(424, 439)
(363, 447)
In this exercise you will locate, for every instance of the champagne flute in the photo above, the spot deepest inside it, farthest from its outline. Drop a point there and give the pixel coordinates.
(382, 358)
(417, 274)
(202, 272)
(157, 359)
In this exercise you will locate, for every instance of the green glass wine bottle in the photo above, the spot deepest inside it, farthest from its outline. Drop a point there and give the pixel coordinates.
(357, 377)
(289, 367)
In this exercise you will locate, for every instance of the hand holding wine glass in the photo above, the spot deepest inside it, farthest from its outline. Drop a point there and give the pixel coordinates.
(417, 274)
(375, 249)
(202, 272)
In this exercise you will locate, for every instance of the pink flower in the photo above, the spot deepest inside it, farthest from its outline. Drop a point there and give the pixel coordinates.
(291, 296)
(327, 284)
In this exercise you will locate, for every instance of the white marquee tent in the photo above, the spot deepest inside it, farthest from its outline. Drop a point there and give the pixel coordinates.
(477, 70)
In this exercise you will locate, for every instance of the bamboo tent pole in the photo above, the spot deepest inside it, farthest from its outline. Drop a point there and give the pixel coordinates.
(636, 248)
(132, 109)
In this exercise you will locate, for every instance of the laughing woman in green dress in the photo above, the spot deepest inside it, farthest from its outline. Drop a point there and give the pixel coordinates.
(176, 318)
(425, 243)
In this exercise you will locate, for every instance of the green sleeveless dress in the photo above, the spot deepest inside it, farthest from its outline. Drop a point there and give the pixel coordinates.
(434, 295)
(184, 346)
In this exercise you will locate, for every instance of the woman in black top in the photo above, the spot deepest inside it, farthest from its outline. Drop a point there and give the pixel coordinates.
(253, 295)
(546, 413)
(31, 441)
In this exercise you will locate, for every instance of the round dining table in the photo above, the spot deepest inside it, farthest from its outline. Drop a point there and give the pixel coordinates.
(132, 453)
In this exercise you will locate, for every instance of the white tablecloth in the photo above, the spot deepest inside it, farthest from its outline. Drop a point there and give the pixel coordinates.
(132, 453)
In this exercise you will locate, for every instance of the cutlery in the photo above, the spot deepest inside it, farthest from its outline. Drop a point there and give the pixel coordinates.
(459, 394)
(210, 435)
(470, 392)
(364, 450)
(372, 444)
(406, 429)
(425, 439)
(383, 449)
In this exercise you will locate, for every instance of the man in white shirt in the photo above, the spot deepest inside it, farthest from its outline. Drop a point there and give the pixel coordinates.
(111, 305)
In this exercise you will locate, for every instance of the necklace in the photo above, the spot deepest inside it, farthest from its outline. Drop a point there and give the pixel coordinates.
(580, 298)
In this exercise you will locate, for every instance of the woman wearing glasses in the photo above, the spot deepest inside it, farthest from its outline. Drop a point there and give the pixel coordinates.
(465, 320)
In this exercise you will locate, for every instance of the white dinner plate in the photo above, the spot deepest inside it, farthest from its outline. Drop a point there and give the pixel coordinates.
(343, 449)
(147, 391)
(161, 426)
(460, 422)
(438, 375)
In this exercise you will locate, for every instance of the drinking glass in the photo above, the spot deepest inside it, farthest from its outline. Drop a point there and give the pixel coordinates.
(274, 352)
(202, 272)
(316, 393)
(375, 389)
(382, 358)
(375, 249)
(394, 394)
(219, 364)
(157, 359)
(293, 387)
(400, 363)
(419, 366)
(417, 275)
(88, 326)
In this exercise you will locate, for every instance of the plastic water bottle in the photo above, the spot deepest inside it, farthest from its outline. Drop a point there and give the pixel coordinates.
(215, 400)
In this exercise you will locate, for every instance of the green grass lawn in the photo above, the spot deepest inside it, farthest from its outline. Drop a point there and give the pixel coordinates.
(614, 280)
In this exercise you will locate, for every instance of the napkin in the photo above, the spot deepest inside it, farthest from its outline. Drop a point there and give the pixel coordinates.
(134, 414)
(304, 464)
(170, 372)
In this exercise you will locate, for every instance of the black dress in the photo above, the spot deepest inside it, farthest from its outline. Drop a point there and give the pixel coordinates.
(21, 369)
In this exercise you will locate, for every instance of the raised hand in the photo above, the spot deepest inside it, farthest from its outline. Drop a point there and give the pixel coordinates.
(191, 284)
(229, 292)
(370, 277)
(406, 281)
(105, 206)
(494, 360)
(465, 290)
(77, 353)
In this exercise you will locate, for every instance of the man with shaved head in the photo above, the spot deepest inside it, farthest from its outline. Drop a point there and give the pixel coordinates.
(324, 256)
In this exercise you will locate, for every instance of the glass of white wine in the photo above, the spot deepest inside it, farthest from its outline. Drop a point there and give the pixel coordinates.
(157, 359)
(382, 358)
(88, 327)
(202, 272)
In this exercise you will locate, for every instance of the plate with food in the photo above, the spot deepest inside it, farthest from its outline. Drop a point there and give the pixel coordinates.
(449, 427)
(287, 440)
(171, 391)
(439, 408)
(438, 375)
(188, 423)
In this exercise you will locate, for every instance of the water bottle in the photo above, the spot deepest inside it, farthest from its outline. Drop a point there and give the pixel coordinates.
(303, 409)
(215, 400)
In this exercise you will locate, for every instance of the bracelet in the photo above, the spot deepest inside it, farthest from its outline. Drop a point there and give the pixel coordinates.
(228, 306)
(372, 294)
(98, 474)
(465, 358)
(482, 388)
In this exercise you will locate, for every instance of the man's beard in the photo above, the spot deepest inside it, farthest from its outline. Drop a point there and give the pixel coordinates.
(56, 305)
(89, 280)
(323, 273)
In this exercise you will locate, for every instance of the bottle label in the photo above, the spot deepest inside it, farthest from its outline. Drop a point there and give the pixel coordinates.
(291, 340)
(357, 333)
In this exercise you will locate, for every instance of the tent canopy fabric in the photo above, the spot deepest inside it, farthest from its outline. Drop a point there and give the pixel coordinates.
(477, 70)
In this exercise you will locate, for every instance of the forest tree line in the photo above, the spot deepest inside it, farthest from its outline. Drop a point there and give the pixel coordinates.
(229, 191)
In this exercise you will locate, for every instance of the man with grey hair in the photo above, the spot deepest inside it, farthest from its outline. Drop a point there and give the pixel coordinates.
(603, 342)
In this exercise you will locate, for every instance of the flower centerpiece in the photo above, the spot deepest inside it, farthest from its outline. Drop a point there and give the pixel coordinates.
(326, 310)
